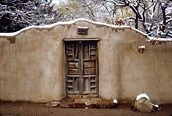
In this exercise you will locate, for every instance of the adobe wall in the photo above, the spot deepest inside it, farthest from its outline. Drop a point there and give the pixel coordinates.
(32, 65)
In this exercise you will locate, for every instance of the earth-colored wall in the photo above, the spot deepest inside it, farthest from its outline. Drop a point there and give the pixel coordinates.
(32, 63)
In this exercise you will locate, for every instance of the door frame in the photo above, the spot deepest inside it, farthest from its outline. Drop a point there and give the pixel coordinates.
(65, 62)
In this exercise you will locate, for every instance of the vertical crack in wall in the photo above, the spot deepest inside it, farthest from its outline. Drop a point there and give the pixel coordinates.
(119, 71)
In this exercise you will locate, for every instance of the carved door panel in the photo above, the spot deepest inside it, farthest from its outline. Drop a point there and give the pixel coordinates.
(82, 67)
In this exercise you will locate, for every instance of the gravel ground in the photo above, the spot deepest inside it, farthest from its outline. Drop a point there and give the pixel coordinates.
(32, 109)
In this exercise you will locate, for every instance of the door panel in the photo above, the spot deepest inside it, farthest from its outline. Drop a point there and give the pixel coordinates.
(82, 67)
(73, 66)
(90, 68)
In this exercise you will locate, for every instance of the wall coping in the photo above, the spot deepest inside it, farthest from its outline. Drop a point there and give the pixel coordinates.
(86, 20)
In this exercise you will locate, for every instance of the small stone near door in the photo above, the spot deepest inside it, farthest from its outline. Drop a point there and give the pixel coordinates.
(52, 104)
(67, 103)
(107, 104)
(94, 102)
(86, 103)
(81, 103)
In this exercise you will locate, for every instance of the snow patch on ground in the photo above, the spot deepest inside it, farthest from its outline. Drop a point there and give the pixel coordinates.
(115, 101)
(155, 105)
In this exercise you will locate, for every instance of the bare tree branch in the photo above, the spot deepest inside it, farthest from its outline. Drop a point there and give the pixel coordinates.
(17, 14)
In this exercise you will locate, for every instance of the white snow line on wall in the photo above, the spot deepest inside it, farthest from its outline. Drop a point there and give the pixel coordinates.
(139, 31)
(31, 27)
(160, 39)
(61, 23)
(82, 19)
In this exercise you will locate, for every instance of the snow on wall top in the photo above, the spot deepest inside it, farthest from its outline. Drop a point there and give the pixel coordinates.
(81, 19)
(61, 23)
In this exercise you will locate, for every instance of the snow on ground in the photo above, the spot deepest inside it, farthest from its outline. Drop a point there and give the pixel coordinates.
(115, 101)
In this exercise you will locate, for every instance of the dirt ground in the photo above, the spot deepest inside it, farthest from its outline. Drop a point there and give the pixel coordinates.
(32, 109)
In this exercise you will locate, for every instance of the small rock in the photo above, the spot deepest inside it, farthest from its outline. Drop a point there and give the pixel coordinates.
(52, 104)
(67, 103)
(143, 105)
(107, 104)
(81, 103)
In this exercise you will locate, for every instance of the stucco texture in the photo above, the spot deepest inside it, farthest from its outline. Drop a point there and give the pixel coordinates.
(32, 65)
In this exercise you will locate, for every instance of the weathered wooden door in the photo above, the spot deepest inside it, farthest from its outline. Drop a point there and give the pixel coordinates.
(82, 67)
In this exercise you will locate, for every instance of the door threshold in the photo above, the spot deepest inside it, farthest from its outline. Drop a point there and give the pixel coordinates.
(87, 103)
(82, 96)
